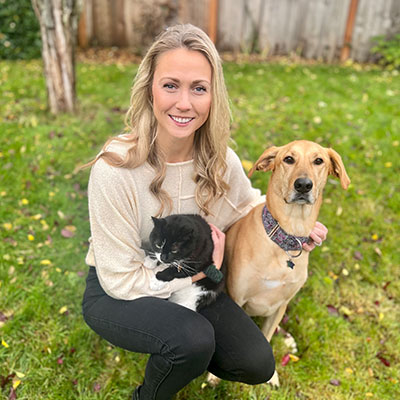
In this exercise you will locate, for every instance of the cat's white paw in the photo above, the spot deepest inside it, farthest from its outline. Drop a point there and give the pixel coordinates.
(150, 263)
(156, 284)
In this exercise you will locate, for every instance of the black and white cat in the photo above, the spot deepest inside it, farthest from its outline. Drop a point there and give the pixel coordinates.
(183, 244)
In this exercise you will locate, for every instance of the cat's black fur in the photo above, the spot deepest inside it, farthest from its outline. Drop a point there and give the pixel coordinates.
(183, 243)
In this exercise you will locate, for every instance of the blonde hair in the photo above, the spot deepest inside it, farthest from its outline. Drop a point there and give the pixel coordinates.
(211, 139)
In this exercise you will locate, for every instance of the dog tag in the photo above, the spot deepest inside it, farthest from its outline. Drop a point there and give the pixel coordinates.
(290, 264)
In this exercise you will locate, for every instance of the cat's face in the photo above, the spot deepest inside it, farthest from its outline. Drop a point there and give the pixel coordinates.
(170, 241)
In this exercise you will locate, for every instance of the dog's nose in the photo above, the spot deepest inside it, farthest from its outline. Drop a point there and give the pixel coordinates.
(303, 185)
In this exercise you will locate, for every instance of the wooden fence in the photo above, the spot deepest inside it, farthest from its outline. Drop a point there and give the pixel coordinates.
(310, 28)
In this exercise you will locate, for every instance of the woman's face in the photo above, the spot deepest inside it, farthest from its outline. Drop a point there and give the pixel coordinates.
(181, 93)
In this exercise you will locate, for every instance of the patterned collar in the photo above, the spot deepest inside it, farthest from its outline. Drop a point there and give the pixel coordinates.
(279, 236)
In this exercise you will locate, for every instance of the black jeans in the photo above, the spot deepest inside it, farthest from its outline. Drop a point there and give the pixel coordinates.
(183, 344)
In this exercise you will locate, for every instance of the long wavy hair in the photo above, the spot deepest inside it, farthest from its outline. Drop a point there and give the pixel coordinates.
(211, 139)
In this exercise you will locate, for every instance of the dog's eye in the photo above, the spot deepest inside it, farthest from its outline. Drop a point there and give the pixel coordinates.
(318, 161)
(288, 160)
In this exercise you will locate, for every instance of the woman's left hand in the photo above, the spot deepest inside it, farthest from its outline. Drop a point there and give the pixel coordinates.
(219, 245)
(218, 238)
(317, 236)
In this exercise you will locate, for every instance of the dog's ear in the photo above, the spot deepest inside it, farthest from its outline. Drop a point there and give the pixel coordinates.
(266, 161)
(337, 168)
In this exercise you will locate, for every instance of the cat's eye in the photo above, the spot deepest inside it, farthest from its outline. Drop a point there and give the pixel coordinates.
(174, 251)
(160, 246)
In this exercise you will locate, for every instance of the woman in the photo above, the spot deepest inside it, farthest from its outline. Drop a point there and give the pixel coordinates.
(174, 159)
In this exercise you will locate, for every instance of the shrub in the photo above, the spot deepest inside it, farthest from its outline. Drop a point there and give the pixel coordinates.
(387, 51)
(19, 30)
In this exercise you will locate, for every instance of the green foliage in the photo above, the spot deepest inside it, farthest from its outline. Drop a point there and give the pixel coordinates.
(19, 30)
(387, 50)
(345, 319)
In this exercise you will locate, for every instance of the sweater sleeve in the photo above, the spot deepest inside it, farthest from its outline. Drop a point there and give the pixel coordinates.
(241, 197)
(114, 224)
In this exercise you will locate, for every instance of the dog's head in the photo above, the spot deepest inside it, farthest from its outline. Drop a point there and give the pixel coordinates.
(300, 170)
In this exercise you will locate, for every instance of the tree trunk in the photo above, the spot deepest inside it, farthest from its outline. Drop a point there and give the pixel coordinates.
(58, 27)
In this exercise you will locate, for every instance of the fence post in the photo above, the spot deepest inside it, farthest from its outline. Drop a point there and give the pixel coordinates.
(213, 20)
(344, 54)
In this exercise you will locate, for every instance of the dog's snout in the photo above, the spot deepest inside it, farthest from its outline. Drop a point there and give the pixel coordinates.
(303, 185)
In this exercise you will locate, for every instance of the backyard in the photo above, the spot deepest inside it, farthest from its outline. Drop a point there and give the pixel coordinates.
(346, 317)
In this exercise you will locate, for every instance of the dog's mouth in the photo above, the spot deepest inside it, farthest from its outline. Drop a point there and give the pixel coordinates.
(300, 198)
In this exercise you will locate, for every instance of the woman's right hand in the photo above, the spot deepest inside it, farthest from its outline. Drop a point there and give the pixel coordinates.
(218, 255)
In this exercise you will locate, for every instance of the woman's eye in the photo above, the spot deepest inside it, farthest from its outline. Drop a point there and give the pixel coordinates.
(288, 160)
(318, 161)
(169, 86)
(200, 89)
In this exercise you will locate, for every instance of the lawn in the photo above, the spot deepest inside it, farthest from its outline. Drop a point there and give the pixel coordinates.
(346, 317)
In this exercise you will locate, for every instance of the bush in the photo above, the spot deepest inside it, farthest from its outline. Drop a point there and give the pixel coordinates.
(19, 30)
(387, 51)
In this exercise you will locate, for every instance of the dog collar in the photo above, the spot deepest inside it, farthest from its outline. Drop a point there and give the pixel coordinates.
(285, 241)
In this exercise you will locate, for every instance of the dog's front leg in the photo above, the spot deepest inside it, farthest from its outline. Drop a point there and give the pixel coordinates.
(272, 322)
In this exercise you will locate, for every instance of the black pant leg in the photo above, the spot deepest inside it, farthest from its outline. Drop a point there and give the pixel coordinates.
(242, 352)
(181, 342)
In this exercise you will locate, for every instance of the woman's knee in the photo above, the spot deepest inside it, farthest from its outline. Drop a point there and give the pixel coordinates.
(258, 365)
(194, 343)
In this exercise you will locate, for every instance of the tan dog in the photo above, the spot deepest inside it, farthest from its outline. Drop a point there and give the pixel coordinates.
(263, 273)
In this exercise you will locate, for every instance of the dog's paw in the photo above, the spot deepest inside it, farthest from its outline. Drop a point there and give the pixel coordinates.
(213, 380)
(290, 343)
(274, 381)
(156, 284)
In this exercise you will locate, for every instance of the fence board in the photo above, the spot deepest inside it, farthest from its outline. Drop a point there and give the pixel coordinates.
(310, 28)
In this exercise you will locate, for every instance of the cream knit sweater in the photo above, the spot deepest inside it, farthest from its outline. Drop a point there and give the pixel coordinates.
(120, 209)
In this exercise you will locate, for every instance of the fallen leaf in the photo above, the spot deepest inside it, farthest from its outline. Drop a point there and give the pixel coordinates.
(63, 310)
(332, 309)
(348, 371)
(96, 387)
(357, 255)
(383, 360)
(285, 359)
(334, 382)
(4, 380)
(3, 342)
(12, 395)
(345, 310)
(247, 165)
(16, 383)
(67, 233)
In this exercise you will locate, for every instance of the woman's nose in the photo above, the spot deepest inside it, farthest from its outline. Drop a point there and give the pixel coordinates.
(183, 102)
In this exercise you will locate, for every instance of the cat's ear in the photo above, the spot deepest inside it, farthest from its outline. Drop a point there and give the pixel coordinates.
(159, 222)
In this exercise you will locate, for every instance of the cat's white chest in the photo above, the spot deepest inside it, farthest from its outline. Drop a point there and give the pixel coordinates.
(187, 296)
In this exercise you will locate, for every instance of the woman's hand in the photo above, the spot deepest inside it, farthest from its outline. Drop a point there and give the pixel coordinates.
(218, 254)
(317, 235)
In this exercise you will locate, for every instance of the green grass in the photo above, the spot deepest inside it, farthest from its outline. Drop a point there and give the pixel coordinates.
(44, 339)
